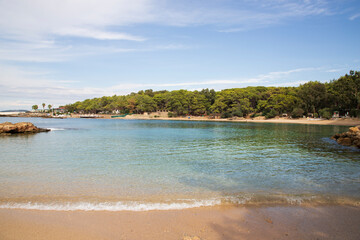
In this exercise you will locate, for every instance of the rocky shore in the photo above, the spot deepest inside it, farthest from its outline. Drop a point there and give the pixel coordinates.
(349, 138)
(8, 128)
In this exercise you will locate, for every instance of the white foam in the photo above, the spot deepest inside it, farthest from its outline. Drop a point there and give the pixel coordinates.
(107, 206)
(56, 129)
(240, 200)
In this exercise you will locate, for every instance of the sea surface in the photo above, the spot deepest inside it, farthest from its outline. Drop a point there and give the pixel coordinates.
(139, 165)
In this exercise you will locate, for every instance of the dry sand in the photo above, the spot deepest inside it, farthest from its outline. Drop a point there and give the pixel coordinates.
(285, 222)
(337, 122)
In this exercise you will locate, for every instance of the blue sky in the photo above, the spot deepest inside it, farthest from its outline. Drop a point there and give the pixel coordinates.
(59, 52)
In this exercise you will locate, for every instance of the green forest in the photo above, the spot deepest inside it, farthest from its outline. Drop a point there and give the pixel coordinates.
(315, 98)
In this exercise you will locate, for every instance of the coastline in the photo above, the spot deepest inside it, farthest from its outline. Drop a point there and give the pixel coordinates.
(335, 122)
(310, 121)
(276, 222)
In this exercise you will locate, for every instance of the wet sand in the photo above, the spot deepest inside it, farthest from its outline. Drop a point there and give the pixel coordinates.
(284, 222)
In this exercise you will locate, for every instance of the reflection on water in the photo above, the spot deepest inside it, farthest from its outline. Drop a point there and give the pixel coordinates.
(144, 160)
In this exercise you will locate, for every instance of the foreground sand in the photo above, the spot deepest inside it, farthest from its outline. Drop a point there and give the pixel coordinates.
(321, 222)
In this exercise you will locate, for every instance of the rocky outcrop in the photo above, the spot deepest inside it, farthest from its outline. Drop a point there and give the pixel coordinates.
(7, 128)
(349, 138)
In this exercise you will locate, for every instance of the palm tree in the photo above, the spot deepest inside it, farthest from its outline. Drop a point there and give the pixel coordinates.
(44, 106)
(35, 107)
(49, 106)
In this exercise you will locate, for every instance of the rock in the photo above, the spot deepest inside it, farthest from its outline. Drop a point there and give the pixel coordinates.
(344, 141)
(356, 142)
(7, 128)
(336, 136)
(343, 135)
(354, 129)
(268, 220)
(349, 138)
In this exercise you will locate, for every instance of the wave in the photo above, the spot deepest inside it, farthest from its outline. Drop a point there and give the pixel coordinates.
(108, 206)
(179, 204)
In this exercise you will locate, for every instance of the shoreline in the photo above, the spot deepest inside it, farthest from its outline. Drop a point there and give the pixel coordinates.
(304, 121)
(277, 222)
(336, 122)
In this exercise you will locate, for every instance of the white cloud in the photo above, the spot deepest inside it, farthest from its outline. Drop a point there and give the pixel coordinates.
(335, 70)
(38, 19)
(42, 51)
(21, 88)
(288, 84)
(51, 51)
(353, 17)
(97, 34)
(274, 12)
(25, 23)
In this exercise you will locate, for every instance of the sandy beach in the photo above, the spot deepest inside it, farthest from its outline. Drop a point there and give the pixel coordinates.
(163, 116)
(285, 222)
(336, 122)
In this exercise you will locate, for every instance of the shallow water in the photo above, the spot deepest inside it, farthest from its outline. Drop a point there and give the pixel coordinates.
(108, 164)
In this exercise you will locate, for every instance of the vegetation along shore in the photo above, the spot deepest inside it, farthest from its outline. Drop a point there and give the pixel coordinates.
(340, 97)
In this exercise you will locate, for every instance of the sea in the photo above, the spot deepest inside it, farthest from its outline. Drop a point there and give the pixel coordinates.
(143, 165)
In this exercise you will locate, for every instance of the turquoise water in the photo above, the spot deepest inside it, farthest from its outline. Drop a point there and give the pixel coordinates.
(109, 164)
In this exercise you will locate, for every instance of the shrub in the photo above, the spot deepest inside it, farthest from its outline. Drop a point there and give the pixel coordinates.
(354, 113)
(254, 115)
(171, 114)
(226, 115)
(237, 113)
(273, 113)
(297, 113)
(325, 113)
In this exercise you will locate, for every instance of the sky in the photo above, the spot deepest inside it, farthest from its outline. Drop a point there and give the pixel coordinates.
(61, 51)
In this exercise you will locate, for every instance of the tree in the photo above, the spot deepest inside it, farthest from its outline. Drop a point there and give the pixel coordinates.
(43, 106)
(219, 105)
(341, 95)
(325, 113)
(145, 103)
(198, 104)
(271, 114)
(35, 107)
(131, 104)
(297, 113)
(345, 92)
(241, 108)
(161, 99)
(313, 95)
(49, 106)
(210, 96)
(179, 102)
